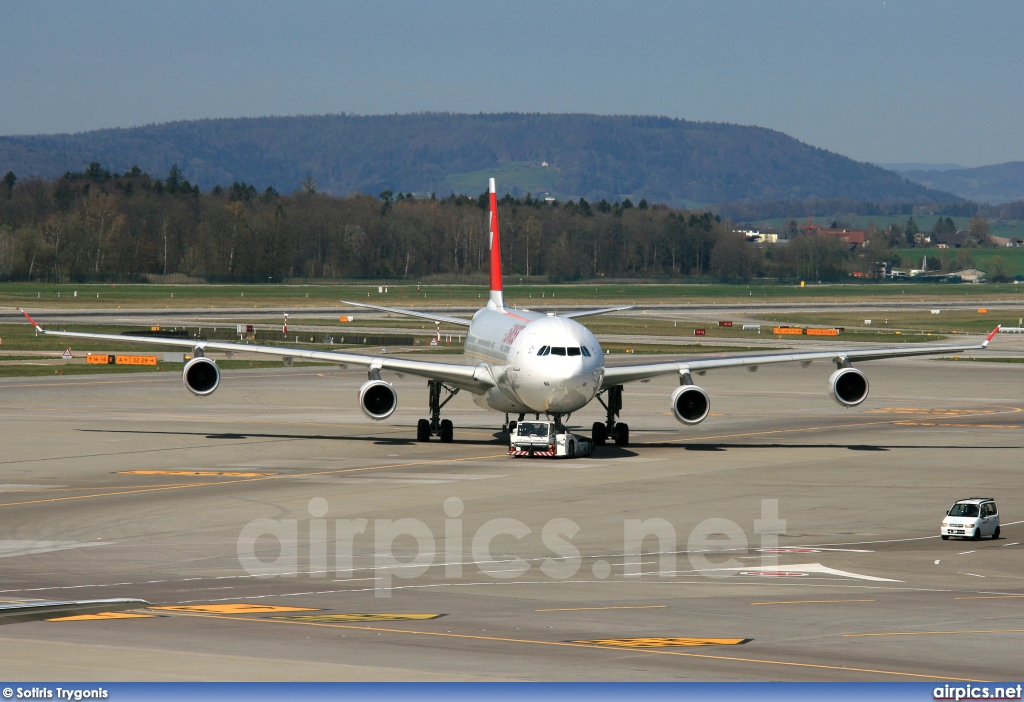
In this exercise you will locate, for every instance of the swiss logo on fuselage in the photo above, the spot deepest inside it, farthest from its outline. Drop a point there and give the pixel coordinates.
(512, 333)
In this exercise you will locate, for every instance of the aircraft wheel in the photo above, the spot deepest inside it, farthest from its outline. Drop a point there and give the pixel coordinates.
(621, 434)
(571, 452)
(600, 434)
(447, 431)
(423, 430)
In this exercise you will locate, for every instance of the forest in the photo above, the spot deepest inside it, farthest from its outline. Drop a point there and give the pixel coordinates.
(94, 225)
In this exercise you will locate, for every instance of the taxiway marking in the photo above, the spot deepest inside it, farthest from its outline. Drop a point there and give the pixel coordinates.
(198, 473)
(937, 633)
(894, 422)
(290, 476)
(586, 609)
(102, 615)
(787, 602)
(662, 642)
(366, 617)
(617, 649)
(234, 608)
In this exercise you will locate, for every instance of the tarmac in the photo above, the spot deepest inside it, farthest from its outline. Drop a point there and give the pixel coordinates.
(785, 538)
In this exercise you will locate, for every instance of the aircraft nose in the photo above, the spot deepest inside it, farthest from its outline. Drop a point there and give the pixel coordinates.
(576, 387)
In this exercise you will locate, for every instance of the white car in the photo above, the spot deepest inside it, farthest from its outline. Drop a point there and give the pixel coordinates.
(971, 519)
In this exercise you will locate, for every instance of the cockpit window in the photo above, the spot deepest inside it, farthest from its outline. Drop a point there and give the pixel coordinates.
(585, 350)
(558, 350)
(543, 351)
(961, 510)
(573, 351)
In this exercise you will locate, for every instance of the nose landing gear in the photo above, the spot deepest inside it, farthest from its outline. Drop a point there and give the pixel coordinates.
(617, 431)
(509, 427)
(435, 426)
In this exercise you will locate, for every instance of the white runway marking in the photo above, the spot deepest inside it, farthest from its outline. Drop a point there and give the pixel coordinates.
(816, 568)
(810, 549)
(23, 547)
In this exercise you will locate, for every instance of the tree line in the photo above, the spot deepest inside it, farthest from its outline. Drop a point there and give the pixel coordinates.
(95, 225)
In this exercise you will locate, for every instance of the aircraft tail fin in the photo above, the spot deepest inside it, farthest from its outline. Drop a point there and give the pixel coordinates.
(496, 298)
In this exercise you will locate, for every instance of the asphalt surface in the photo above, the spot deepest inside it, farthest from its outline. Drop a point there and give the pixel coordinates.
(233, 515)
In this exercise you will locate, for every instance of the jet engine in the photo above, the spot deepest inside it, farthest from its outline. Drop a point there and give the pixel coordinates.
(201, 376)
(848, 387)
(690, 404)
(377, 399)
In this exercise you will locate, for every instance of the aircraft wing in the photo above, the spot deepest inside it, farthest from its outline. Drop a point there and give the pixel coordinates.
(617, 375)
(36, 610)
(590, 313)
(475, 379)
(413, 313)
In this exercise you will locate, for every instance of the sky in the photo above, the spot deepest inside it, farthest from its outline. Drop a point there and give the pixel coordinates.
(885, 81)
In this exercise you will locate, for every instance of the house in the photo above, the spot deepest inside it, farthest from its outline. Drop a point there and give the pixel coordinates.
(849, 236)
(1003, 241)
(949, 241)
(969, 275)
(759, 236)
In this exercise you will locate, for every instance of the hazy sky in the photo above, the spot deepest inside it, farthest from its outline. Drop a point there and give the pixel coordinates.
(884, 81)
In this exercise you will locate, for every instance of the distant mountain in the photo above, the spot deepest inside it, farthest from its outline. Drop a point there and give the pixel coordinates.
(665, 160)
(992, 184)
(904, 167)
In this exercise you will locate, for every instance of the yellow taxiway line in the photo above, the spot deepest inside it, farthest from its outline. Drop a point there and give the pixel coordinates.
(618, 649)
(934, 633)
(185, 486)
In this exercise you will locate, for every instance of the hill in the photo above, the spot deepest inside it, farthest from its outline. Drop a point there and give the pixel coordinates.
(1003, 182)
(904, 167)
(665, 160)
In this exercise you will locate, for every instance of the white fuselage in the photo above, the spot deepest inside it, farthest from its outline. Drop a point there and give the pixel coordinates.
(540, 363)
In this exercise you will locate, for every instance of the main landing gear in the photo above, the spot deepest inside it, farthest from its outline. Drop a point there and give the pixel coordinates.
(435, 426)
(617, 431)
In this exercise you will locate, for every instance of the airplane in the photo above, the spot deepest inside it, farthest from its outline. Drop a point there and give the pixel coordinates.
(526, 362)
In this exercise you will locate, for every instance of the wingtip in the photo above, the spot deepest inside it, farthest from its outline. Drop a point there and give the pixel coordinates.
(991, 335)
(492, 187)
(34, 324)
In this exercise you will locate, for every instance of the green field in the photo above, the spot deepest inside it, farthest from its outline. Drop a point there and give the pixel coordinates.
(885, 323)
(675, 329)
(524, 175)
(288, 298)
